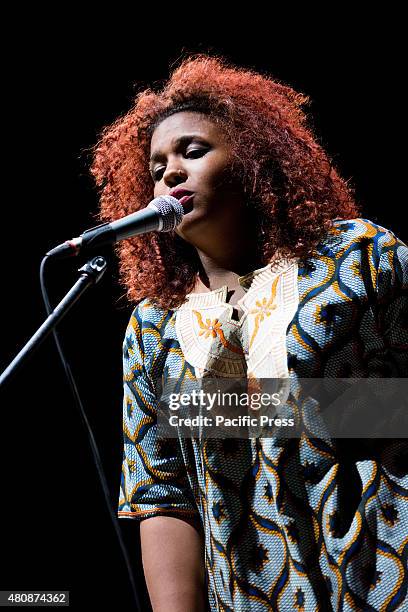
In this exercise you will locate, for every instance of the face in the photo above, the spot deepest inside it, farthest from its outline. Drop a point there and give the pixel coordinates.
(189, 151)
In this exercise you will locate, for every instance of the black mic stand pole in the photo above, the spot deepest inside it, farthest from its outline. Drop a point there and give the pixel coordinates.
(92, 272)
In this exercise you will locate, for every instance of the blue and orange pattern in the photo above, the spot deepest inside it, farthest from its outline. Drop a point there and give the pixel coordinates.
(289, 524)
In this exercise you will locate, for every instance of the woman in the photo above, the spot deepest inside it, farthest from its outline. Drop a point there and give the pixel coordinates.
(271, 274)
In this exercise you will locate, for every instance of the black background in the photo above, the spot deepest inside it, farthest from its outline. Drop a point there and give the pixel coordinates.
(61, 84)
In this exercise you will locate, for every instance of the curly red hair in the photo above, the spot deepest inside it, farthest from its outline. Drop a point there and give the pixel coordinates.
(287, 176)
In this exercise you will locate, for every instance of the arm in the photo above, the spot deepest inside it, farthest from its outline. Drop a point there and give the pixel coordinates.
(392, 307)
(173, 563)
(155, 490)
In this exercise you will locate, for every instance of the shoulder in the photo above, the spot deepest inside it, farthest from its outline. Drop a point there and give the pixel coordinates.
(144, 317)
(371, 251)
(348, 235)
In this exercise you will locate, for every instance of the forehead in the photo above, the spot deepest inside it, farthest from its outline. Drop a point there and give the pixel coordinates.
(181, 124)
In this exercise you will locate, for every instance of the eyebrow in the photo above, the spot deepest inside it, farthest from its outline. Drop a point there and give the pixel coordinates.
(157, 156)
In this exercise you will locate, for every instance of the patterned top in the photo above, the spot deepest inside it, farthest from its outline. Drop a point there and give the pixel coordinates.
(289, 524)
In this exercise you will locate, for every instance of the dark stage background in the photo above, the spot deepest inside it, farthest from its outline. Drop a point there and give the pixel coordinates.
(61, 89)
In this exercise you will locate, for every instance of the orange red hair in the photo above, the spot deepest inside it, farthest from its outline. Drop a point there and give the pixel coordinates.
(288, 178)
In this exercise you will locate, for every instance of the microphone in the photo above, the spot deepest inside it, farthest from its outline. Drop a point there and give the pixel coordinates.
(162, 214)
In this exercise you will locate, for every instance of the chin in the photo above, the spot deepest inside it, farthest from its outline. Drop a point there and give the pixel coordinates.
(191, 224)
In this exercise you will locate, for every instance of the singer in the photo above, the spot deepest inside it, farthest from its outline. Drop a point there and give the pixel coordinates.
(271, 273)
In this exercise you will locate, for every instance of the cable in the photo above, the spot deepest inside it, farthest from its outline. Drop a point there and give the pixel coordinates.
(94, 447)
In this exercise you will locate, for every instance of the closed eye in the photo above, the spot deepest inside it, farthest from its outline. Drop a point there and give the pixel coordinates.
(195, 153)
(190, 154)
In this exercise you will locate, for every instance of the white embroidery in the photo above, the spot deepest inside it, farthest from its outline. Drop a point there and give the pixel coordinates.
(255, 345)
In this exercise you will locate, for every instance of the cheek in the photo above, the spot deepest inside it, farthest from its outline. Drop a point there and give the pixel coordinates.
(217, 174)
(159, 189)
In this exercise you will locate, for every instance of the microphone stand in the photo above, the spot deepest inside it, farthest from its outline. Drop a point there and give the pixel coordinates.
(92, 272)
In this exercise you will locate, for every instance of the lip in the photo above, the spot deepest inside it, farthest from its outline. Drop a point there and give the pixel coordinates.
(187, 203)
(180, 193)
(185, 197)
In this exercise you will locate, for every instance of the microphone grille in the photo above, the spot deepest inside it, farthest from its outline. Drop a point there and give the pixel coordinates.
(170, 211)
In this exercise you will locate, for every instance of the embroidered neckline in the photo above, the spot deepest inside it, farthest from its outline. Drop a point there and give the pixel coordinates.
(212, 341)
(250, 282)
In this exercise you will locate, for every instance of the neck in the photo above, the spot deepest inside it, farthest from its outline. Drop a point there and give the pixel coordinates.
(224, 268)
(227, 250)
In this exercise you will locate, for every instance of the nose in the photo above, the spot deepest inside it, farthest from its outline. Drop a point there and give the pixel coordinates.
(173, 176)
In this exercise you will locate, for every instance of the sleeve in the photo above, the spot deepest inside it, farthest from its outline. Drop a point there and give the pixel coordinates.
(154, 478)
(391, 356)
